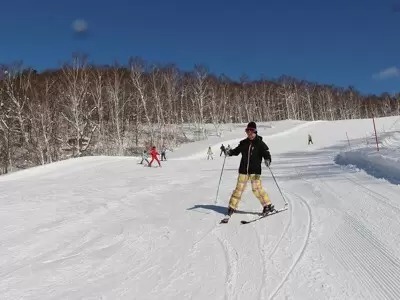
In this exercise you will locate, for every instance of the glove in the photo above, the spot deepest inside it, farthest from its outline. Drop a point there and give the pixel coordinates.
(268, 162)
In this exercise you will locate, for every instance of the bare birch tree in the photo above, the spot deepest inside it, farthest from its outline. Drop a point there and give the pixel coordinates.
(78, 110)
(140, 83)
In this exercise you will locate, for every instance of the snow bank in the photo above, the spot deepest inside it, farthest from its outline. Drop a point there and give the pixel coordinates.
(384, 164)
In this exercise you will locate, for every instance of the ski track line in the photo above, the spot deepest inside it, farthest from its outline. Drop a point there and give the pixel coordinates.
(365, 190)
(284, 232)
(350, 263)
(231, 258)
(362, 254)
(370, 197)
(378, 257)
(375, 195)
(302, 251)
(262, 258)
(261, 292)
(361, 242)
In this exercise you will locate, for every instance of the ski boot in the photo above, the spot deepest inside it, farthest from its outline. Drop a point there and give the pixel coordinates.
(228, 215)
(230, 211)
(267, 209)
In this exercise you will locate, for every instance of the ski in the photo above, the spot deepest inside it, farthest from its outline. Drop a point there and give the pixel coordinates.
(225, 220)
(262, 217)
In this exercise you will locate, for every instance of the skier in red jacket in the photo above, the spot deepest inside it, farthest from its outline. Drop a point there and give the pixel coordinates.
(154, 153)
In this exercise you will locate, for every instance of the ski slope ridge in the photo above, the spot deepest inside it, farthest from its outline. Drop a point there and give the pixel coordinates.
(234, 142)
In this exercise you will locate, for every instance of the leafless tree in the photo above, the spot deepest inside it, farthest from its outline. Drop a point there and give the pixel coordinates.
(78, 111)
(172, 82)
(140, 82)
(158, 94)
(5, 132)
(43, 114)
(97, 91)
(125, 108)
(309, 90)
(200, 95)
(118, 98)
(17, 83)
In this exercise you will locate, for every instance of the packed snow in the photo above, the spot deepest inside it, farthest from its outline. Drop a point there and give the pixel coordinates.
(381, 160)
(109, 228)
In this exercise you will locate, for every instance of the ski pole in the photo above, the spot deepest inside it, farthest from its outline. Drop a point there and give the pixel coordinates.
(220, 177)
(278, 186)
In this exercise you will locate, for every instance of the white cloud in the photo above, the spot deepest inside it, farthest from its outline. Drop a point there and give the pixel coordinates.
(80, 25)
(388, 73)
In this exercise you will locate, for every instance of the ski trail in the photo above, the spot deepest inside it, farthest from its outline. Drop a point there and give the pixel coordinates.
(231, 259)
(379, 258)
(359, 251)
(372, 195)
(383, 225)
(284, 232)
(362, 254)
(262, 290)
(377, 196)
(302, 250)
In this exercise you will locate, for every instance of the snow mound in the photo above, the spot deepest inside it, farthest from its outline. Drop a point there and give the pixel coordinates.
(384, 164)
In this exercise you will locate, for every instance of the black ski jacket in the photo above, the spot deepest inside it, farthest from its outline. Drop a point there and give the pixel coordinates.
(252, 154)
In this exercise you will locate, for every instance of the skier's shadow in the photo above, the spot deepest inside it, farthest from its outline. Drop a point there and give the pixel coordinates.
(220, 209)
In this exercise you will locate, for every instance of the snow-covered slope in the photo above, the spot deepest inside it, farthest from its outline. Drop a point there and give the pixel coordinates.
(109, 228)
(384, 163)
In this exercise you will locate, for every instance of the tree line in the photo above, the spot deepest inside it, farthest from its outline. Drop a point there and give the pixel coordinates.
(84, 109)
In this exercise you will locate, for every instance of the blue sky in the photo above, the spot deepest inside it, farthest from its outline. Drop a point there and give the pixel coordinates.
(338, 42)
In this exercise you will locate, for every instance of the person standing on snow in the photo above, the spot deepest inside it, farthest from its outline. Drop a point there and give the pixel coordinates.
(223, 150)
(209, 153)
(163, 150)
(144, 157)
(310, 139)
(253, 150)
(154, 153)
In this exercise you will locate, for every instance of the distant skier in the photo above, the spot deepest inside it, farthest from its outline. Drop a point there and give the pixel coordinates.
(253, 150)
(209, 153)
(310, 139)
(223, 150)
(154, 153)
(163, 151)
(228, 148)
(145, 157)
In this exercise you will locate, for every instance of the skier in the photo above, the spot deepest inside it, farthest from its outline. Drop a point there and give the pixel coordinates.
(310, 139)
(253, 150)
(144, 157)
(223, 150)
(163, 150)
(209, 153)
(154, 153)
(228, 148)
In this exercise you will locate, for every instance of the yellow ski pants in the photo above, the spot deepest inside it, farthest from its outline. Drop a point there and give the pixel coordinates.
(256, 187)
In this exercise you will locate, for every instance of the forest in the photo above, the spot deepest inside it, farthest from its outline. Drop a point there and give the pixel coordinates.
(85, 109)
